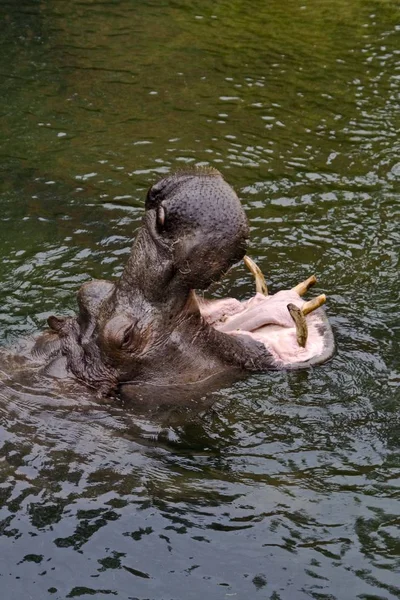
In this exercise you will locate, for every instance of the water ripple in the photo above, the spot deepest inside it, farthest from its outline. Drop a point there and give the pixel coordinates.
(286, 484)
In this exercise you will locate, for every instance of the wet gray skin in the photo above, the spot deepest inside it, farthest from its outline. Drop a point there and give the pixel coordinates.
(148, 326)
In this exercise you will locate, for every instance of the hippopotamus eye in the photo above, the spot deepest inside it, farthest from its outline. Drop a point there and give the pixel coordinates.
(160, 217)
(119, 334)
(127, 337)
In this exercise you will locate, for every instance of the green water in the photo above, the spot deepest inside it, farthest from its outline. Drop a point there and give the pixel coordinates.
(287, 487)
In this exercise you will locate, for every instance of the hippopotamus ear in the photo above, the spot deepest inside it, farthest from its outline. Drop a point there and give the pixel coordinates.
(56, 323)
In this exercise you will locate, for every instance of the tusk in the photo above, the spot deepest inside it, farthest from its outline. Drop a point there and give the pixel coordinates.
(304, 286)
(313, 304)
(300, 322)
(299, 315)
(261, 285)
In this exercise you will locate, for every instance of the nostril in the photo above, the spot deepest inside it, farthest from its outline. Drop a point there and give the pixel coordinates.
(160, 217)
(152, 198)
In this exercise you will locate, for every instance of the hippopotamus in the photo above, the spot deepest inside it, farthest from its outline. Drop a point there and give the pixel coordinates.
(153, 327)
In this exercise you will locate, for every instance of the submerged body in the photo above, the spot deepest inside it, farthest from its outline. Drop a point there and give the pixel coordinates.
(151, 327)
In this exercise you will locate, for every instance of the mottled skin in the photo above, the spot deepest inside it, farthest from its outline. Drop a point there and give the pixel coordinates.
(147, 327)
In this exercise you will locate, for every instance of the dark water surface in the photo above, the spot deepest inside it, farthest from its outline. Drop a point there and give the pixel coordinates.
(287, 487)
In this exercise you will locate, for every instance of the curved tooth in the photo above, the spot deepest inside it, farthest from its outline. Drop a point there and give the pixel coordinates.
(313, 304)
(300, 322)
(261, 285)
(302, 287)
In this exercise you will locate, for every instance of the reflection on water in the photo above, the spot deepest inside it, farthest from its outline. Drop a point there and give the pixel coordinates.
(285, 485)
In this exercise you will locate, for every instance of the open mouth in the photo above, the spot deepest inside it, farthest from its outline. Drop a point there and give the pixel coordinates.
(296, 332)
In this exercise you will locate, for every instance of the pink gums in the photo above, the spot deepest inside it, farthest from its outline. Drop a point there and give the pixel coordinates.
(266, 319)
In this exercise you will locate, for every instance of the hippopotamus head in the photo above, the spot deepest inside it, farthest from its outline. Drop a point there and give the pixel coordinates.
(194, 229)
(149, 326)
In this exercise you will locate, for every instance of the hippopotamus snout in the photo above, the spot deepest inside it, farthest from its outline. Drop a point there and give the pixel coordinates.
(198, 216)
